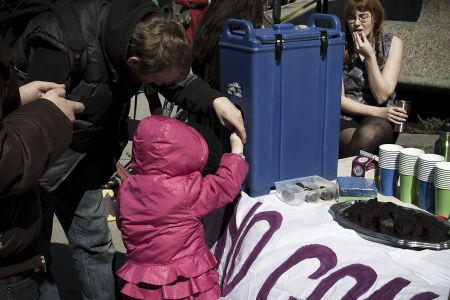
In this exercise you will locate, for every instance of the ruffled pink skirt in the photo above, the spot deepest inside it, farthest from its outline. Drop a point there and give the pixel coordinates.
(203, 287)
(190, 278)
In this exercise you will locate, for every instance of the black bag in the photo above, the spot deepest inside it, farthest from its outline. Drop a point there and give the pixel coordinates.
(15, 14)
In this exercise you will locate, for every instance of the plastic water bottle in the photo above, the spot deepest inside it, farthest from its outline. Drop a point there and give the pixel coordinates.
(442, 145)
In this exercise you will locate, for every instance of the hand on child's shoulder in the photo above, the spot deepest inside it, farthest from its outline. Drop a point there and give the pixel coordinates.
(236, 144)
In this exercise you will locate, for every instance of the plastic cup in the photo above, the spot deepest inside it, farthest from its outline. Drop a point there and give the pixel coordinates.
(388, 181)
(442, 202)
(426, 195)
(408, 189)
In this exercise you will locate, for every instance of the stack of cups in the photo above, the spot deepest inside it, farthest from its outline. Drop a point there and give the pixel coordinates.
(408, 169)
(427, 163)
(442, 188)
(388, 168)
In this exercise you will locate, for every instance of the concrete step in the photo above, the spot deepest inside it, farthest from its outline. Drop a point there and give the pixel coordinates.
(421, 141)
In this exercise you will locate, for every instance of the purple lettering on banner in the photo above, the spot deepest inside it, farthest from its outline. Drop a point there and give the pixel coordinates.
(232, 228)
(274, 219)
(325, 255)
(425, 296)
(390, 289)
(365, 277)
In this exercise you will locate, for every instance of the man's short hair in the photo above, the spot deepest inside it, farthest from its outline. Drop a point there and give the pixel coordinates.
(160, 44)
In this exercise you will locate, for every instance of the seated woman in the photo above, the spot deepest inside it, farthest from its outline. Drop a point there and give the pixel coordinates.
(372, 65)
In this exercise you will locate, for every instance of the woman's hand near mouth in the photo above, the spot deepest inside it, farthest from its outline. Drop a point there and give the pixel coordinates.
(362, 45)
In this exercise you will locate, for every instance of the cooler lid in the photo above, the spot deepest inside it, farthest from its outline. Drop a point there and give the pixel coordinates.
(291, 33)
(242, 31)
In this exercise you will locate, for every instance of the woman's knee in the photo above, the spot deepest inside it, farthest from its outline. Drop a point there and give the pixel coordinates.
(376, 131)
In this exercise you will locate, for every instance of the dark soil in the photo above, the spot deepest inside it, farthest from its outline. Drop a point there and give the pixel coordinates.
(391, 219)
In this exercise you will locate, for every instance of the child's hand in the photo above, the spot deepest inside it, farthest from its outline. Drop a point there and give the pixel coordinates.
(237, 146)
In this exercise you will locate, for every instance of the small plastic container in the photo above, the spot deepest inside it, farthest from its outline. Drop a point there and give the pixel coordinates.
(310, 189)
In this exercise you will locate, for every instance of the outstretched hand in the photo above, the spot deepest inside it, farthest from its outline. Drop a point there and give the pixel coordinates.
(230, 116)
(36, 89)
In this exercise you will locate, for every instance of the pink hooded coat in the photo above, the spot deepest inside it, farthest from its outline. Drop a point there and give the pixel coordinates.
(160, 208)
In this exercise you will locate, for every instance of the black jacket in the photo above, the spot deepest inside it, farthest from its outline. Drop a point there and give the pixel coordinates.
(32, 137)
(106, 89)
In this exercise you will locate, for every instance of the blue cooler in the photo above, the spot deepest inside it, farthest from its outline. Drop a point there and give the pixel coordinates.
(287, 82)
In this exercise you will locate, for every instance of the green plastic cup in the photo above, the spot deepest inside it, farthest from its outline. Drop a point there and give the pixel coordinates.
(442, 202)
(408, 189)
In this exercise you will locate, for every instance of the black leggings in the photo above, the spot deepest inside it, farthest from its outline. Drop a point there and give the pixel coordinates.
(364, 133)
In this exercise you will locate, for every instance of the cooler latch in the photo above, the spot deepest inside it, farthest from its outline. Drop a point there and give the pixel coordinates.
(323, 43)
(278, 47)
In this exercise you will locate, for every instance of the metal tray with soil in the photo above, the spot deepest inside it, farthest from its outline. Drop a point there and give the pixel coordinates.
(394, 225)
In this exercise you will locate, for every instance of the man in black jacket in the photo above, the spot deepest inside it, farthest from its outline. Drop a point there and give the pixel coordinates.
(33, 134)
(128, 44)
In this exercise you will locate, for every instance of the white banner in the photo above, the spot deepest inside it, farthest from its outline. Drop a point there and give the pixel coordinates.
(275, 251)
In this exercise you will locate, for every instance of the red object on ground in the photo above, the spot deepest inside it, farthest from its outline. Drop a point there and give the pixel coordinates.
(195, 8)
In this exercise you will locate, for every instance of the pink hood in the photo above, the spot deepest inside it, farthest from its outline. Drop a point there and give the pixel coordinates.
(164, 145)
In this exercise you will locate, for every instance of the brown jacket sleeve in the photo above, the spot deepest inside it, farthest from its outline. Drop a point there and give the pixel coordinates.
(31, 139)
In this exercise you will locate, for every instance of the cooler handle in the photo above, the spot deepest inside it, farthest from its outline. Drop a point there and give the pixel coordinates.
(334, 20)
(246, 26)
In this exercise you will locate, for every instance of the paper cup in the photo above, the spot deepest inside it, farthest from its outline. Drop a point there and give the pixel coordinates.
(426, 195)
(442, 202)
(409, 160)
(389, 156)
(388, 181)
(442, 175)
(408, 189)
(427, 163)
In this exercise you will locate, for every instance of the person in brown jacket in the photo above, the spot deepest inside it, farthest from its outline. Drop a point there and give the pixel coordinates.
(35, 128)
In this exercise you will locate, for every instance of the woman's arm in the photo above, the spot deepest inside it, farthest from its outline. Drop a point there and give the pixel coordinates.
(355, 108)
(383, 83)
(393, 114)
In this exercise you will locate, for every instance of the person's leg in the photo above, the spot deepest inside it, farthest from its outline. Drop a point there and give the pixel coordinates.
(371, 133)
(79, 209)
(347, 129)
(19, 287)
(47, 284)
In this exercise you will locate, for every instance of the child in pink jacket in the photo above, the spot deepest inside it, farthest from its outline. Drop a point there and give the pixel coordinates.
(160, 207)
